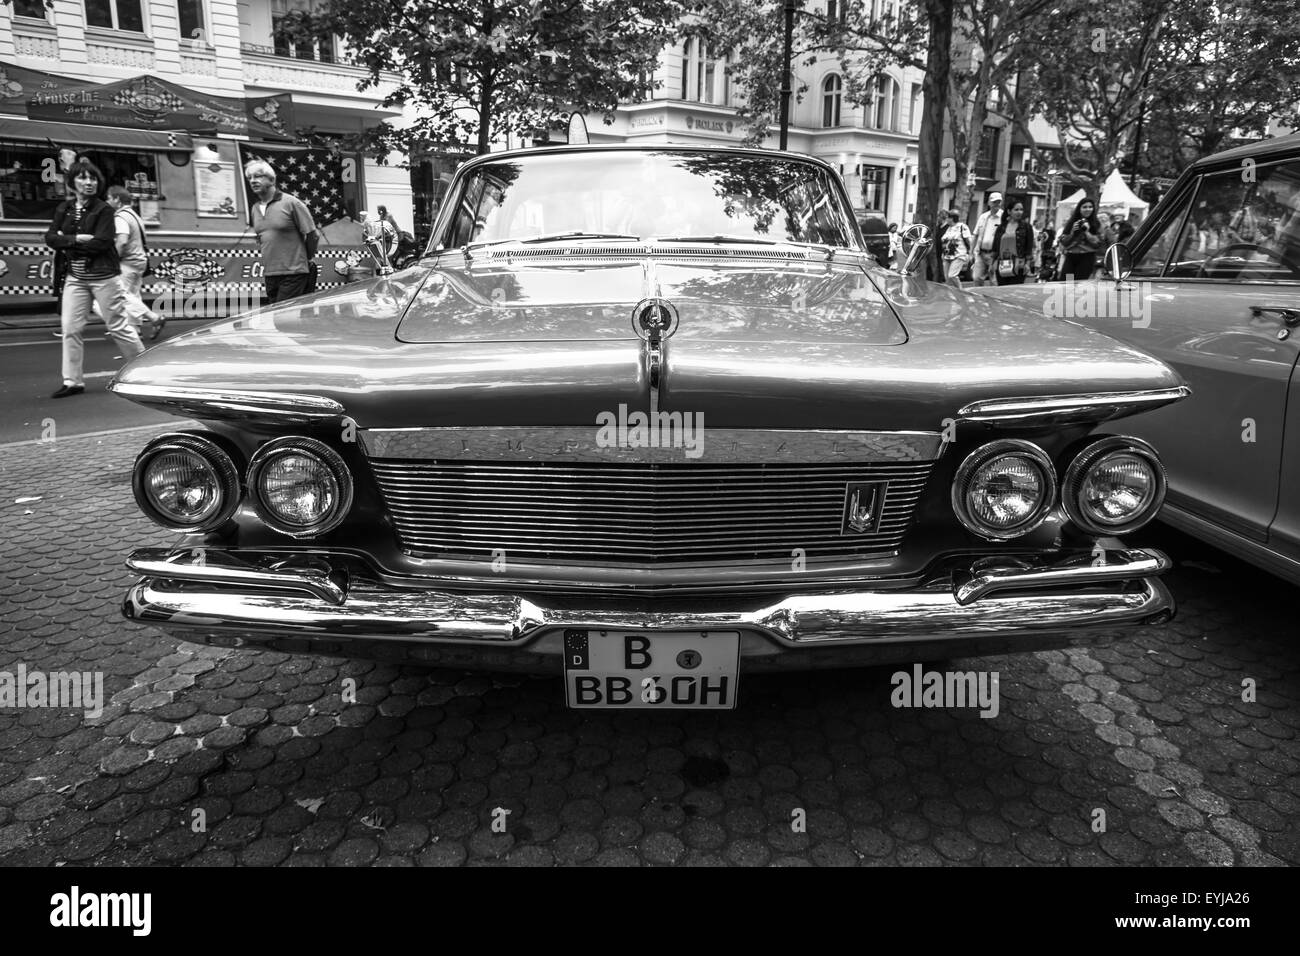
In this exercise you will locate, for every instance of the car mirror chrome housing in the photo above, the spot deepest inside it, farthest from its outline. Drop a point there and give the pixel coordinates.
(1119, 261)
(918, 235)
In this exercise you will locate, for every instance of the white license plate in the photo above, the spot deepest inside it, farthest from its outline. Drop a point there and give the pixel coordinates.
(651, 670)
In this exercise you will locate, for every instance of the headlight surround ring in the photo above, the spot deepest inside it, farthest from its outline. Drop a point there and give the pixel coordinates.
(1014, 450)
(277, 455)
(209, 463)
(1114, 450)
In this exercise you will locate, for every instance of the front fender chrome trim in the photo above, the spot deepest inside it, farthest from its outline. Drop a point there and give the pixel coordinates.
(223, 568)
(229, 404)
(994, 574)
(1063, 409)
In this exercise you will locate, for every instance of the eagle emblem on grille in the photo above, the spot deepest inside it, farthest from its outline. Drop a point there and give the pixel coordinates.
(863, 503)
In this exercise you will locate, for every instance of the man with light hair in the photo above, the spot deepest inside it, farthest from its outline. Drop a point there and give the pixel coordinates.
(285, 231)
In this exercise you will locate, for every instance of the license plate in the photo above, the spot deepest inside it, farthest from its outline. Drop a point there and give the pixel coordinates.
(651, 670)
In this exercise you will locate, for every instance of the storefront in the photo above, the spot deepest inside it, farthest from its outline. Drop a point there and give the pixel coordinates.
(180, 153)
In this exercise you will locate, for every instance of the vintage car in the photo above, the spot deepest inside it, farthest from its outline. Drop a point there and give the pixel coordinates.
(1210, 284)
(648, 417)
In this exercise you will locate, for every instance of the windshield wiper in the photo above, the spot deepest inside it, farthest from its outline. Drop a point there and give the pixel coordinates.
(829, 251)
(550, 238)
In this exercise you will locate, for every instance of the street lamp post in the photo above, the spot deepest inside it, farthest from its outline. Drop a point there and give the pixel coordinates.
(786, 91)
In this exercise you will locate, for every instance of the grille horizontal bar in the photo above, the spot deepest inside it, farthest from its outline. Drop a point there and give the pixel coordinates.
(643, 513)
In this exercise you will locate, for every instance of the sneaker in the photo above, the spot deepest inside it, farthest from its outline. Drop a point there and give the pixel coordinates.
(158, 325)
(66, 390)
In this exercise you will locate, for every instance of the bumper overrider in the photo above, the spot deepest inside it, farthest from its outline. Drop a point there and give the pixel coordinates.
(310, 604)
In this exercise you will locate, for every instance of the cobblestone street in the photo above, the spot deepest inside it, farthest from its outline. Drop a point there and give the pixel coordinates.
(1152, 730)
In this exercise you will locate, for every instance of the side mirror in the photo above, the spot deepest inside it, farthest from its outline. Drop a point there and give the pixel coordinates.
(919, 236)
(1119, 262)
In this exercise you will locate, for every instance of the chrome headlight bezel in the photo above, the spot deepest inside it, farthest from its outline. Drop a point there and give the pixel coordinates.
(310, 448)
(224, 470)
(987, 454)
(1091, 456)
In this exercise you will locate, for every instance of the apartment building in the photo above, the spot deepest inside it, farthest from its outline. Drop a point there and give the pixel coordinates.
(874, 145)
(169, 97)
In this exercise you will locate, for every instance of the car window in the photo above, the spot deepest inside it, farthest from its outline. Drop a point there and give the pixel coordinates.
(1243, 224)
(661, 194)
(1152, 261)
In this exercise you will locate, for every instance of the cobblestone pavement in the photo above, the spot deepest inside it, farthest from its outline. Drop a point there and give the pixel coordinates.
(1152, 731)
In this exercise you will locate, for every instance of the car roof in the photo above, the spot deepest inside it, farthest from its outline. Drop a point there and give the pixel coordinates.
(561, 148)
(1264, 148)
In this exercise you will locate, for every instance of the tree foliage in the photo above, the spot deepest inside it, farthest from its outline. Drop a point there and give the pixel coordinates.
(474, 70)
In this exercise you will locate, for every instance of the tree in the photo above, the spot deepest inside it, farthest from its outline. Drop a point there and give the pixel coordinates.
(1248, 54)
(1092, 70)
(473, 70)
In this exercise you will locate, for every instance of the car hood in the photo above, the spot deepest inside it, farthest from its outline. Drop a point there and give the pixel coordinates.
(761, 343)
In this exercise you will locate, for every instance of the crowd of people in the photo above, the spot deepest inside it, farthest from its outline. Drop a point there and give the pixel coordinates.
(1005, 248)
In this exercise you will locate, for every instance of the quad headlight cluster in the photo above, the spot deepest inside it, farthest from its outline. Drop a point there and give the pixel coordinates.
(1006, 489)
(187, 482)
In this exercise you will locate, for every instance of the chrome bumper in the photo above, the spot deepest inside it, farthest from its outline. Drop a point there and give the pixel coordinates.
(220, 598)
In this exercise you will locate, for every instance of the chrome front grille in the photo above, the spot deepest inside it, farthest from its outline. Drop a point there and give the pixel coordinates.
(644, 513)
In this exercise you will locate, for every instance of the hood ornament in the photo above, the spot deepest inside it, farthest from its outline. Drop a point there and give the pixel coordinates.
(654, 320)
(380, 240)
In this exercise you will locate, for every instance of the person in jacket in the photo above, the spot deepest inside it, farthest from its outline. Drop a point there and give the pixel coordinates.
(1013, 244)
(1046, 252)
(83, 229)
(1080, 240)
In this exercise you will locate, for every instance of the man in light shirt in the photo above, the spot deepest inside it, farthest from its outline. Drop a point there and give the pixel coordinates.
(132, 250)
(985, 254)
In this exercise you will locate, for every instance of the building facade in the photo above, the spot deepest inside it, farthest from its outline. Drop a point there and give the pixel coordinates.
(169, 97)
(874, 146)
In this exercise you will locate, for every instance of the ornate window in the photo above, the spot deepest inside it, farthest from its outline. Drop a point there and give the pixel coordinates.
(832, 99)
(885, 103)
(115, 15)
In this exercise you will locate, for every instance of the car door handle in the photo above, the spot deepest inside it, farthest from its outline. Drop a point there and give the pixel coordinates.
(1289, 315)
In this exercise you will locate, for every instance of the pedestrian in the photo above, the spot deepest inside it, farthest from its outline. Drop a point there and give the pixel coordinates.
(1014, 243)
(985, 254)
(895, 246)
(83, 229)
(1080, 240)
(1046, 253)
(286, 232)
(385, 215)
(133, 252)
(957, 243)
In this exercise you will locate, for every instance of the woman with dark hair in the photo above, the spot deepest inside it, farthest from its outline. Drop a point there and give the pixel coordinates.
(83, 229)
(1080, 240)
(1013, 247)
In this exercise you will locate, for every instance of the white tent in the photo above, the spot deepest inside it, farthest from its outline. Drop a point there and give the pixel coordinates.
(1116, 197)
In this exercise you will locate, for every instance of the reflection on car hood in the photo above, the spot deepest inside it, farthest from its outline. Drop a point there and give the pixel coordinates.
(747, 300)
(760, 344)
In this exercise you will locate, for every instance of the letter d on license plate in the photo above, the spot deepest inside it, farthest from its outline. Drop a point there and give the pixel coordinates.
(651, 670)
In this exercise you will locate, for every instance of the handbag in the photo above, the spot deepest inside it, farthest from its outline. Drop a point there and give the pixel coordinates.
(1007, 268)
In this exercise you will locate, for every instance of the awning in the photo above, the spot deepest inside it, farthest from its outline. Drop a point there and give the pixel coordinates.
(76, 135)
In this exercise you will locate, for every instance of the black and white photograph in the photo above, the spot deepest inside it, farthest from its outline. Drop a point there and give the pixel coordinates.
(681, 433)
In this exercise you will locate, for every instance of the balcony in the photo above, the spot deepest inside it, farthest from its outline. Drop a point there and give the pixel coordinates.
(265, 66)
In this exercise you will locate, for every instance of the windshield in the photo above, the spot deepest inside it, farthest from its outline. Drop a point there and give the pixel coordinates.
(616, 196)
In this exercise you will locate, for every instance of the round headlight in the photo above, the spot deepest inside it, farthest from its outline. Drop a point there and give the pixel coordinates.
(1004, 489)
(1116, 484)
(186, 483)
(300, 486)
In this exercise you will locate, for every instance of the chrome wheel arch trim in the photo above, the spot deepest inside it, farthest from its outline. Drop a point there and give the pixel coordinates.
(1085, 407)
(228, 403)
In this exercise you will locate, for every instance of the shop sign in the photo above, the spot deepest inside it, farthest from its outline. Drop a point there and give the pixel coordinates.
(708, 124)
